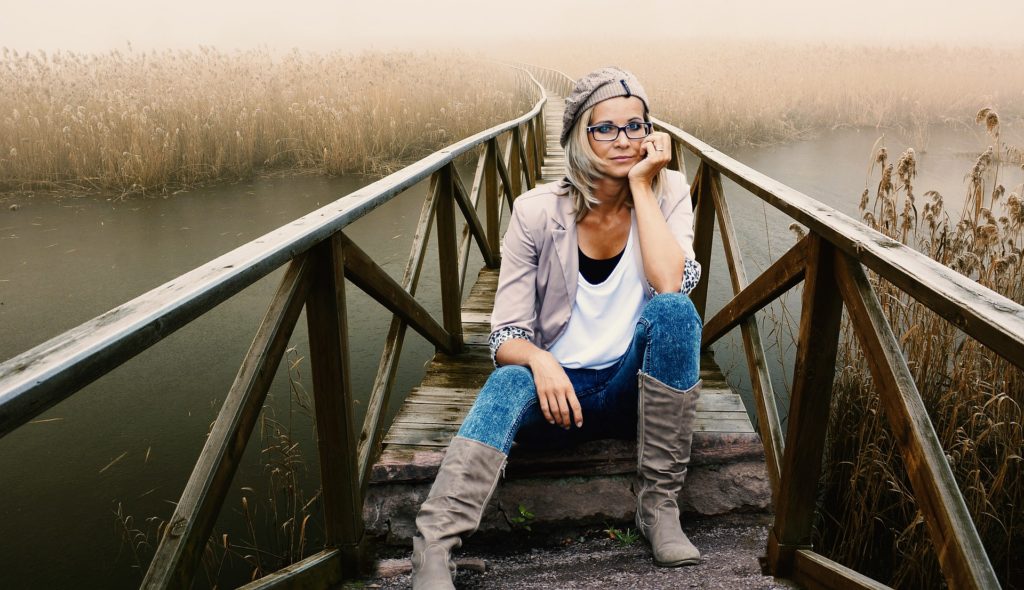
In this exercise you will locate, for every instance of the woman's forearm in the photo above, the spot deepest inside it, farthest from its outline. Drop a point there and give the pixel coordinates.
(662, 256)
(518, 352)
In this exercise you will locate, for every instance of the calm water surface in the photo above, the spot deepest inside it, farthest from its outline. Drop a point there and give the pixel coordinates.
(131, 438)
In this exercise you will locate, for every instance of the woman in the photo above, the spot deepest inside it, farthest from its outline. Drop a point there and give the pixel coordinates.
(593, 335)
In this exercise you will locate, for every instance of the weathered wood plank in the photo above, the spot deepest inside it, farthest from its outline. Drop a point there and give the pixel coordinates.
(37, 379)
(962, 557)
(781, 276)
(760, 381)
(447, 251)
(476, 229)
(474, 200)
(387, 369)
(704, 230)
(178, 554)
(814, 571)
(521, 162)
(378, 284)
(318, 571)
(400, 463)
(327, 322)
(813, 375)
(492, 202)
(508, 189)
(992, 319)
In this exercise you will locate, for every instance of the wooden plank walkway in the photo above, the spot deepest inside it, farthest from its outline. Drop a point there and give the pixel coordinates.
(434, 410)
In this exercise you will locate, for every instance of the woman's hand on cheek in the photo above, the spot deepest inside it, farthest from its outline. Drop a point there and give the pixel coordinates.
(657, 150)
(555, 392)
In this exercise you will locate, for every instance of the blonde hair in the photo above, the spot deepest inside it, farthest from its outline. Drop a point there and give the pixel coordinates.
(583, 170)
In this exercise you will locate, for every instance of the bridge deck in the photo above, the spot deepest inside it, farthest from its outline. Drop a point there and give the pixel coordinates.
(432, 413)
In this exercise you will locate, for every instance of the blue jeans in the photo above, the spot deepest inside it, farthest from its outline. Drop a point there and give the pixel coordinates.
(666, 346)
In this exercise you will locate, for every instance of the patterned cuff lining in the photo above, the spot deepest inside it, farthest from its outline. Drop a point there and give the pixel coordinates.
(691, 275)
(499, 337)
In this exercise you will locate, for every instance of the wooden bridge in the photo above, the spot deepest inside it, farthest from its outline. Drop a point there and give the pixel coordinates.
(359, 462)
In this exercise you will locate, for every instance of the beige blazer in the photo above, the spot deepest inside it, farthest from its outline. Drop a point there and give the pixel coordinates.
(540, 264)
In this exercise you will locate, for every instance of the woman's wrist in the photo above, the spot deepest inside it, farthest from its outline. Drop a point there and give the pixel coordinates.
(642, 192)
(536, 356)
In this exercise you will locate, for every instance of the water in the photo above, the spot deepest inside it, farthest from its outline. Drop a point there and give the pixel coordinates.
(64, 261)
(834, 169)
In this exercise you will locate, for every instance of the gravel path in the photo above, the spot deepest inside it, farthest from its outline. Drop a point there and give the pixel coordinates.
(590, 559)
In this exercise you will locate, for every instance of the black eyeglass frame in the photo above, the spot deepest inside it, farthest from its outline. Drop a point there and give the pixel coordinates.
(647, 125)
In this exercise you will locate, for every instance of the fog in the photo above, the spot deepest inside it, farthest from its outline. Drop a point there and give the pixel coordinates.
(103, 25)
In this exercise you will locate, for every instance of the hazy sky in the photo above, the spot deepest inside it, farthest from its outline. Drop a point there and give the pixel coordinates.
(105, 24)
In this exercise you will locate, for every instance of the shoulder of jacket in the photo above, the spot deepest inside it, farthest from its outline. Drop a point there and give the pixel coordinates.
(676, 190)
(542, 199)
(676, 180)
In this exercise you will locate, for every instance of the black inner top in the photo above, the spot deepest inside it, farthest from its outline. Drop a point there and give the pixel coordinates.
(596, 271)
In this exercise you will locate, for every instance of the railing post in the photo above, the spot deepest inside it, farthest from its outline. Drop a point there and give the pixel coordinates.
(448, 252)
(515, 168)
(677, 162)
(491, 196)
(332, 393)
(704, 229)
(542, 142)
(813, 376)
(531, 151)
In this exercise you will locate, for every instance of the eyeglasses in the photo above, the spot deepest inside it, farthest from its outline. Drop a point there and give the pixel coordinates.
(609, 132)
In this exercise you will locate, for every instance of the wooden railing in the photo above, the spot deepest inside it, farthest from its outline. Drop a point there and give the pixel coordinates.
(319, 257)
(831, 262)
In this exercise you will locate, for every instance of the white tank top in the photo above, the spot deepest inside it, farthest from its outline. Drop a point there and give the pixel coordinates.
(604, 316)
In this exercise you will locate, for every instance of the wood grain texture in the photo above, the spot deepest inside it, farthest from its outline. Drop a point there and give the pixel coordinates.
(387, 369)
(378, 284)
(778, 278)
(757, 365)
(817, 572)
(961, 555)
(447, 250)
(39, 378)
(464, 238)
(330, 361)
(703, 232)
(176, 558)
(468, 207)
(813, 375)
(994, 320)
(316, 572)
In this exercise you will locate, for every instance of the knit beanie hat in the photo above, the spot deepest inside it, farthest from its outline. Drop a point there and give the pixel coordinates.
(596, 86)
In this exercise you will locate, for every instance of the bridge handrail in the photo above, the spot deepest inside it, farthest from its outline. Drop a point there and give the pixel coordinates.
(48, 373)
(319, 258)
(829, 262)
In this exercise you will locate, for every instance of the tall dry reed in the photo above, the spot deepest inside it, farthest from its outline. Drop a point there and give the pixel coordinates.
(734, 93)
(143, 122)
(869, 518)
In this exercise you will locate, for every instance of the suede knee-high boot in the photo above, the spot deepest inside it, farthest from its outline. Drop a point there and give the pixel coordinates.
(666, 419)
(465, 482)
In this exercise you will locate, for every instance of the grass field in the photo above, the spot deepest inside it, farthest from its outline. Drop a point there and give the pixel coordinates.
(870, 518)
(744, 93)
(154, 122)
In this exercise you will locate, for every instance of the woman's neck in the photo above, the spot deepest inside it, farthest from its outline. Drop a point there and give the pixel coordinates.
(611, 193)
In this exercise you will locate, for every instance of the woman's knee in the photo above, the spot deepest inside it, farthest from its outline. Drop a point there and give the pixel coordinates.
(508, 388)
(675, 310)
(494, 417)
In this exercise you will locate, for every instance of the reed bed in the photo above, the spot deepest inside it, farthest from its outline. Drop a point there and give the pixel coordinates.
(869, 518)
(132, 122)
(743, 93)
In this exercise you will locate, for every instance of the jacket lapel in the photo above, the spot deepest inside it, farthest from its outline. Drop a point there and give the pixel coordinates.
(566, 244)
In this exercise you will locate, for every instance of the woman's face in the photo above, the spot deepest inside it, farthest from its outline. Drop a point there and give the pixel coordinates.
(618, 156)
